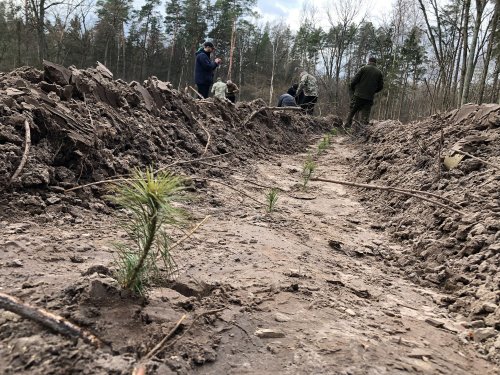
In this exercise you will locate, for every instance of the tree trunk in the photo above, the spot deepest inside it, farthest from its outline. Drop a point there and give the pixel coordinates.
(487, 58)
(480, 4)
(271, 88)
(495, 89)
(465, 40)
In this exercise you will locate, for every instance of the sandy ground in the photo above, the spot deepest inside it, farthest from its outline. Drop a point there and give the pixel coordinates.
(306, 289)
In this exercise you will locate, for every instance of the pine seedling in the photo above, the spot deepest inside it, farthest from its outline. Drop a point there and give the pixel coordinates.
(308, 170)
(148, 199)
(271, 199)
(323, 145)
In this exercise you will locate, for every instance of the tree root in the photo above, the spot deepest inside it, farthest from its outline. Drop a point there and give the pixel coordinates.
(411, 193)
(125, 177)
(55, 322)
(139, 369)
(27, 145)
(476, 158)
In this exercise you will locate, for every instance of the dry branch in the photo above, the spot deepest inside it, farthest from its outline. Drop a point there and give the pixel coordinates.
(189, 234)
(208, 136)
(27, 144)
(196, 92)
(124, 177)
(233, 188)
(55, 322)
(410, 193)
(260, 185)
(476, 158)
(198, 316)
(158, 346)
(140, 369)
(191, 161)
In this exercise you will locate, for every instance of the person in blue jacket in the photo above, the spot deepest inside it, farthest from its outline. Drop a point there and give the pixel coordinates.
(204, 68)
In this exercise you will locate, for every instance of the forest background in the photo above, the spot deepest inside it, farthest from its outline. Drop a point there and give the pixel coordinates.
(435, 54)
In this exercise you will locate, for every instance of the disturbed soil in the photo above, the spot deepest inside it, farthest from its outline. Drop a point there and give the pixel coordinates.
(336, 280)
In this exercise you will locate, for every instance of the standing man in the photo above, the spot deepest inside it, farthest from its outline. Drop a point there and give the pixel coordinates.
(204, 68)
(309, 86)
(365, 84)
(232, 89)
(219, 89)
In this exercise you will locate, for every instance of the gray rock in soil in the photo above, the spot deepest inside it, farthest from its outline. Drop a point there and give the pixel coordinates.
(264, 333)
(482, 334)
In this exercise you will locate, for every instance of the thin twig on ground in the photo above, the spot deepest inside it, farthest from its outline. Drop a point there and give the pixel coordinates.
(197, 316)
(124, 177)
(208, 136)
(55, 322)
(260, 185)
(27, 144)
(389, 188)
(158, 346)
(476, 158)
(233, 188)
(196, 92)
(191, 161)
(186, 236)
(88, 109)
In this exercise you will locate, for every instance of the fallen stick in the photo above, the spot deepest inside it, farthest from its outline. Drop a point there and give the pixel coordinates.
(191, 161)
(124, 177)
(197, 316)
(88, 109)
(388, 188)
(207, 133)
(140, 369)
(55, 322)
(476, 158)
(262, 109)
(196, 92)
(169, 335)
(233, 188)
(260, 185)
(189, 234)
(27, 144)
(417, 192)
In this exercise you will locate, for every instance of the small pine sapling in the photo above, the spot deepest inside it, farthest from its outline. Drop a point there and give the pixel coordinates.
(308, 170)
(147, 198)
(271, 199)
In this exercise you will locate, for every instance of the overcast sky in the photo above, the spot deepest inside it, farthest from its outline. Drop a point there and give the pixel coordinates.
(290, 11)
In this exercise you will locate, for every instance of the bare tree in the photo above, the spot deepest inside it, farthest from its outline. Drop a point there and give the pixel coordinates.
(492, 27)
(480, 5)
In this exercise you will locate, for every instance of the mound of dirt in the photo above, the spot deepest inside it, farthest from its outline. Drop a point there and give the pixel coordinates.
(460, 253)
(85, 126)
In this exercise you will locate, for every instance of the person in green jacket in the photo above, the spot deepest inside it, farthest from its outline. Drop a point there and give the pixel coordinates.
(365, 84)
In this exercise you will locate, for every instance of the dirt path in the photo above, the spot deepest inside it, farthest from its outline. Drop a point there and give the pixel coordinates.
(340, 308)
(312, 273)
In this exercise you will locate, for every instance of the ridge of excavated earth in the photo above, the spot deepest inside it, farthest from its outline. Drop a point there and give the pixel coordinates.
(460, 254)
(336, 280)
(87, 127)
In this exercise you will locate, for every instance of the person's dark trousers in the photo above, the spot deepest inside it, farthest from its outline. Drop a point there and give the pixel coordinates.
(307, 104)
(231, 98)
(204, 90)
(359, 105)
